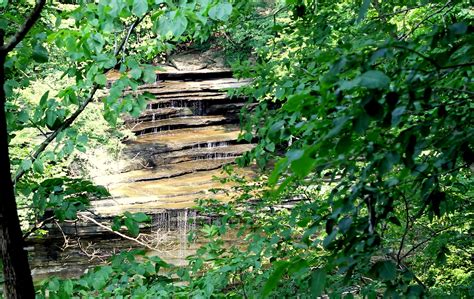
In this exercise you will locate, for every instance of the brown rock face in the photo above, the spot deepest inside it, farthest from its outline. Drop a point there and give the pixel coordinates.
(183, 139)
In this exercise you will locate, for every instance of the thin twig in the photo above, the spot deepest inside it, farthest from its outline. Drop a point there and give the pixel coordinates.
(87, 218)
(397, 12)
(434, 234)
(20, 34)
(38, 128)
(455, 89)
(425, 19)
(37, 227)
(407, 227)
(66, 241)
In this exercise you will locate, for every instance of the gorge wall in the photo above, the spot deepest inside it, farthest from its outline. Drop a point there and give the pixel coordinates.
(183, 138)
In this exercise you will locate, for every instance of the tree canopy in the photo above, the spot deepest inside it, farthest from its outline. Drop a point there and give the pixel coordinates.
(363, 115)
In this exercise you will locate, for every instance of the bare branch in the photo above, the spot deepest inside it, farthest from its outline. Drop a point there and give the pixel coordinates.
(136, 240)
(407, 227)
(19, 35)
(37, 227)
(125, 39)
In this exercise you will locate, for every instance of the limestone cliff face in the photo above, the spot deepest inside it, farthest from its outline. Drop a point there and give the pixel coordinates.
(183, 138)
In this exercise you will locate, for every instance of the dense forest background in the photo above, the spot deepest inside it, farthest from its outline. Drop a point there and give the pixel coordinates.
(362, 111)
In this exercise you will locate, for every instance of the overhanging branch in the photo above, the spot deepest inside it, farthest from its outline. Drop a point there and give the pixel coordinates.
(20, 34)
(68, 122)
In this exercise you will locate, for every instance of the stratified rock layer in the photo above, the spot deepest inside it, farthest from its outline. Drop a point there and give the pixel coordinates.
(182, 140)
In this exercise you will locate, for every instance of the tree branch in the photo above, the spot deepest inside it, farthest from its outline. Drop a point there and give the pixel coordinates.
(37, 227)
(397, 12)
(425, 19)
(19, 35)
(407, 227)
(87, 218)
(433, 235)
(130, 30)
(68, 122)
(55, 133)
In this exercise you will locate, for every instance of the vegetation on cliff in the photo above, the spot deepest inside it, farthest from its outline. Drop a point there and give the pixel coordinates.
(364, 119)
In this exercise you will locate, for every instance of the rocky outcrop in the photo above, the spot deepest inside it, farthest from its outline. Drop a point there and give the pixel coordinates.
(184, 137)
(187, 133)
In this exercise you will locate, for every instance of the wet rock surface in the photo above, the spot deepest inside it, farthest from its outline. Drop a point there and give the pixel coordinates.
(182, 140)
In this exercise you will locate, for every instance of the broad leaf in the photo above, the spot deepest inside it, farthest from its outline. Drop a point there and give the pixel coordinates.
(220, 12)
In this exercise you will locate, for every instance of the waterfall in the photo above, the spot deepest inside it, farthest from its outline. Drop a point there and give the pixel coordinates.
(174, 226)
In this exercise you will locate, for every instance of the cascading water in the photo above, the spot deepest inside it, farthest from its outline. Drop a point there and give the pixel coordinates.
(174, 226)
(182, 139)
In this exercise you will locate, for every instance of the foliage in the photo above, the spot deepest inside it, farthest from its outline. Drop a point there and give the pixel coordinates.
(125, 277)
(130, 221)
(378, 107)
(247, 31)
(363, 118)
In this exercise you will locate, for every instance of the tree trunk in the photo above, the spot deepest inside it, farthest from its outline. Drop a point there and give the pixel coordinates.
(17, 275)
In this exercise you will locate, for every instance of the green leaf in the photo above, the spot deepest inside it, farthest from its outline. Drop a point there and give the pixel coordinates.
(295, 155)
(136, 73)
(272, 282)
(303, 165)
(172, 24)
(179, 24)
(338, 125)
(220, 12)
(396, 115)
(140, 217)
(140, 7)
(82, 139)
(361, 123)
(68, 287)
(117, 224)
(277, 170)
(329, 238)
(26, 164)
(132, 226)
(38, 166)
(345, 224)
(297, 265)
(100, 79)
(40, 54)
(374, 80)
(386, 270)
(149, 75)
(44, 99)
(363, 10)
(294, 102)
(318, 281)
(344, 144)
(276, 127)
